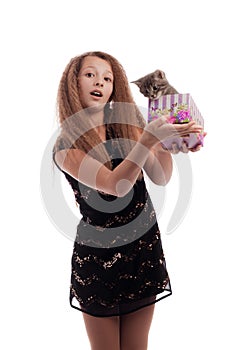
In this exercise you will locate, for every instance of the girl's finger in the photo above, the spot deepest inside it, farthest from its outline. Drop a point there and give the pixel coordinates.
(184, 147)
(195, 149)
(194, 128)
(175, 148)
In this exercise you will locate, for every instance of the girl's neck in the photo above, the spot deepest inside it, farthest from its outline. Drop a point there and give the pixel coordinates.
(97, 121)
(96, 118)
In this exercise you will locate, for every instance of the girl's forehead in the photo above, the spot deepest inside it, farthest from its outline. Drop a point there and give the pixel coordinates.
(96, 62)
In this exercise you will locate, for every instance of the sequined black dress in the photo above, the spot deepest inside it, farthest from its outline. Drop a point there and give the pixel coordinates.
(118, 264)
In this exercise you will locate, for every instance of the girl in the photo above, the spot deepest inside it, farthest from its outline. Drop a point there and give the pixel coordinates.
(118, 265)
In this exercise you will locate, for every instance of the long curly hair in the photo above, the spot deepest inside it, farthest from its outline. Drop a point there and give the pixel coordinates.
(122, 117)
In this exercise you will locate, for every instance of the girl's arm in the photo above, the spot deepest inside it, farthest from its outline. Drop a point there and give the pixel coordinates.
(93, 173)
(158, 165)
(119, 181)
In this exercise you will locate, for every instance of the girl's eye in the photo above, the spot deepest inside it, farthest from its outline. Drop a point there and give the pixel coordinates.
(89, 75)
(108, 79)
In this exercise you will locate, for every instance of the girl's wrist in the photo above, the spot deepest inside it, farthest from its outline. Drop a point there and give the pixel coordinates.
(148, 140)
(159, 148)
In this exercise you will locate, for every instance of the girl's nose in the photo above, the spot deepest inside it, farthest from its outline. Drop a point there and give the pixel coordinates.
(99, 83)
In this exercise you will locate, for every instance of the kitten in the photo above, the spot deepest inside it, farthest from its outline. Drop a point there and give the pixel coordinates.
(155, 85)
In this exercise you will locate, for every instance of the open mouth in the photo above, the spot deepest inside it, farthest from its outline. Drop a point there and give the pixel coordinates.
(96, 93)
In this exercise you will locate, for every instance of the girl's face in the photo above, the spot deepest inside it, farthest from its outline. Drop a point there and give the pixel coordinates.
(95, 82)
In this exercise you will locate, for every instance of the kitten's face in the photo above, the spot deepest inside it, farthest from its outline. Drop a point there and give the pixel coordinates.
(152, 85)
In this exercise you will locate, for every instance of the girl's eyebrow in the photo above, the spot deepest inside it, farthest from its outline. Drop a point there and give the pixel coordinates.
(87, 67)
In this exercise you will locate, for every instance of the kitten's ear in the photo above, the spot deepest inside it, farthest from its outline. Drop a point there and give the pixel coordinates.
(160, 74)
(137, 82)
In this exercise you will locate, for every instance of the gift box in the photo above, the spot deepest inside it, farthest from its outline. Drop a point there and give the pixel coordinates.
(181, 108)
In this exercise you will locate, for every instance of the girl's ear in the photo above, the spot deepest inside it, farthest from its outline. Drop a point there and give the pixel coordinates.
(137, 82)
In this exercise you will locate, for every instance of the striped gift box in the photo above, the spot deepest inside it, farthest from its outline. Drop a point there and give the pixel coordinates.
(181, 108)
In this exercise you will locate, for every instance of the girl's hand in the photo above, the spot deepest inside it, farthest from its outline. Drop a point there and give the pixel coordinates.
(198, 147)
(160, 129)
(175, 149)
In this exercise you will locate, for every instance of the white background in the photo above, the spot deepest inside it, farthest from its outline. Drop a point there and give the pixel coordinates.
(192, 42)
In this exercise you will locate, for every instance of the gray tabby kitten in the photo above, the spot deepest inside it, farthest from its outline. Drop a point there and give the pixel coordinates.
(155, 85)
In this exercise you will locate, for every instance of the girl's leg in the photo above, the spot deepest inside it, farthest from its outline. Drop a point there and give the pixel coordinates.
(103, 332)
(134, 329)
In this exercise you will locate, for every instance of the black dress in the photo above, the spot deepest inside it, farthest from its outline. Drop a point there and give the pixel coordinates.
(118, 264)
